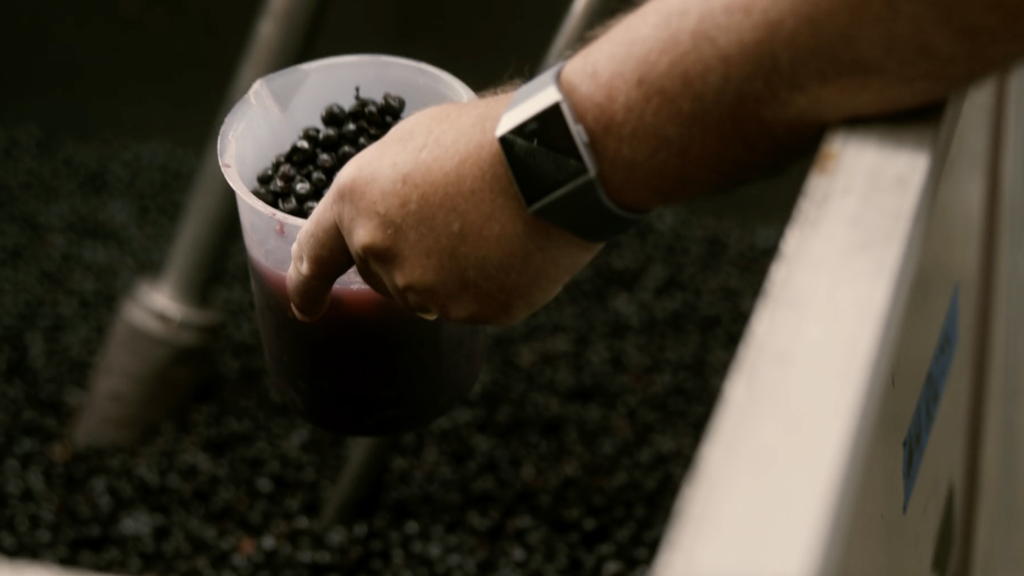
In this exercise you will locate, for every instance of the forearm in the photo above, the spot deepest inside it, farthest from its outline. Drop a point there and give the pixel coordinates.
(683, 97)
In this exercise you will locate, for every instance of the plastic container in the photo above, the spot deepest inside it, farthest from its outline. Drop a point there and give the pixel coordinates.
(367, 367)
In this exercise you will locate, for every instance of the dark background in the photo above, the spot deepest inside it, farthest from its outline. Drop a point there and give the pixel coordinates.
(158, 69)
(565, 459)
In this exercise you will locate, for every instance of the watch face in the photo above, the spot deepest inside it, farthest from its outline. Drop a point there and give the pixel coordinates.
(543, 155)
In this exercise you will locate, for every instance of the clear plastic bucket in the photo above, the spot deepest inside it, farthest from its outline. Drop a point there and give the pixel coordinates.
(367, 367)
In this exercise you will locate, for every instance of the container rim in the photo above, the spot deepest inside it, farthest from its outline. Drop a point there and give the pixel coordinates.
(226, 141)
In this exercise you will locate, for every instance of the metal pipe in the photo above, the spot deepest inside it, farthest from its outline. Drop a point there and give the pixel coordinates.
(367, 455)
(210, 217)
(365, 462)
(157, 349)
(574, 25)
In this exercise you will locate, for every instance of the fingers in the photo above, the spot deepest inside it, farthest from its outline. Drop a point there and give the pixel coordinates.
(319, 256)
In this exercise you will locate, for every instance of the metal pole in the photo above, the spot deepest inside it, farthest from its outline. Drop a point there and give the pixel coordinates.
(157, 349)
(365, 462)
(367, 455)
(574, 25)
(210, 216)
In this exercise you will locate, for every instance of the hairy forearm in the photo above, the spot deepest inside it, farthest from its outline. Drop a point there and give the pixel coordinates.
(683, 97)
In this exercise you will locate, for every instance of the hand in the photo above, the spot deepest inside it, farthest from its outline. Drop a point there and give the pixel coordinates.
(431, 217)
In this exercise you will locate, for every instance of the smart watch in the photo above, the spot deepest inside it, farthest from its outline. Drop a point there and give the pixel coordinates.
(549, 155)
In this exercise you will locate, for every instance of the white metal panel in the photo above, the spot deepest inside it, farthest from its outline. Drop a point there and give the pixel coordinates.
(10, 567)
(881, 537)
(999, 528)
(765, 492)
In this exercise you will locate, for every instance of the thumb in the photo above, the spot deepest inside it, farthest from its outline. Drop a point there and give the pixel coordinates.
(319, 256)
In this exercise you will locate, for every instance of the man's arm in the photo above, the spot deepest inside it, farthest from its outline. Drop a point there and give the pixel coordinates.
(679, 98)
(684, 96)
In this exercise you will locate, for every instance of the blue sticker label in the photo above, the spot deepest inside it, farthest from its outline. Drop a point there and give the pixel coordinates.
(916, 440)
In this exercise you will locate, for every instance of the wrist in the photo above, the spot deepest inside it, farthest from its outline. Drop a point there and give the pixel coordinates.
(548, 154)
(597, 107)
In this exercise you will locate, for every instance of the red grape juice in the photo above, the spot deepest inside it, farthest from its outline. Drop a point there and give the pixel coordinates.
(367, 367)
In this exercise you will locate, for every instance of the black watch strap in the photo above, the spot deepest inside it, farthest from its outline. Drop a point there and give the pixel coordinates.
(582, 208)
(549, 155)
